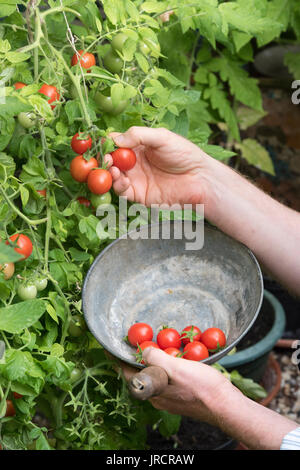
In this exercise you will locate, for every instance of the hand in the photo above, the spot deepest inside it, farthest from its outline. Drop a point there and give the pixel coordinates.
(194, 389)
(169, 168)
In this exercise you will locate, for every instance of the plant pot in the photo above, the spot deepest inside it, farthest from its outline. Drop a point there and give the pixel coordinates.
(252, 361)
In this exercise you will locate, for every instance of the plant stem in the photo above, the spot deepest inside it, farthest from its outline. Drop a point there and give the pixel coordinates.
(20, 214)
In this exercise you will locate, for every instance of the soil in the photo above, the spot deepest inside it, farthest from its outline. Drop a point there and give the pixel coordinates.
(261, 327)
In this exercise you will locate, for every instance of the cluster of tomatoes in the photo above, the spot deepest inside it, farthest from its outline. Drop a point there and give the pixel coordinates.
(195, 345)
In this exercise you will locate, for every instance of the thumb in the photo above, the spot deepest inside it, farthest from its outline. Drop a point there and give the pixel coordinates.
(157, 357)
(136, 136)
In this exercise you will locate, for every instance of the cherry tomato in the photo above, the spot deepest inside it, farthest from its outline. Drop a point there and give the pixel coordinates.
(41, 283)
(7, 270)
(139, 333)
(124, 159)
(19, 85)
(80, 168)
(113, 62)
(142, 347)
(106, 105)
(213, 338)
(76, 326)
(84, 201)
(87, 59)
(195, 351)
(27, 120)
(75, 375)
(17, 395)
(27, 291)
(10, 409)
(173, 352)
(100, 199)
(42, 192)
(79, 145)
(190, 333)
(168, 338)
(24, 244)
(118, 42)
(99, 181)
(50, 91)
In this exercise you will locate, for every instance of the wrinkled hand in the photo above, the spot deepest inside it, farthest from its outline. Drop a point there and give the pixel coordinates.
(169, 168)
(196, 390)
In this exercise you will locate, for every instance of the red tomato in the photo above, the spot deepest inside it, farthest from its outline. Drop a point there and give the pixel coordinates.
(19, 85)
(42, 192)
(10, 409)
(24, 244)
(195, 351)
(190, 333)
(124, 159)
(99, 181)
(213, 338)
(168, 338)
(142, 347)
(139, 333)
(85, 202)
(173, 352)
(17, 395)
(80, 146)
(80, 168)
(87, 60)
(50, 91)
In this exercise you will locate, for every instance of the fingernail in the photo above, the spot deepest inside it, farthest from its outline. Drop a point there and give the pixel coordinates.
(119, 139)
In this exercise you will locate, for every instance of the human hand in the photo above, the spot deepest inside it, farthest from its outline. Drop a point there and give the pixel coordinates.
(169, 168)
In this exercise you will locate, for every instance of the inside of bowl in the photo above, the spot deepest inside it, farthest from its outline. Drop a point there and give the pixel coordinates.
(160, 283)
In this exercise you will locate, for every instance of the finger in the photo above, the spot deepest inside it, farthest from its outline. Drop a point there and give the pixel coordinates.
(108, 160)
(136, 136)
(115, 173)
(156, 357)
(121, 184)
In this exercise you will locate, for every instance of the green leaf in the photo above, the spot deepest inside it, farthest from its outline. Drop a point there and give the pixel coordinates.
(247, 386)
(15, 57)
(8, 254)
(256, 155)
(292, 61)
(217, 152)
(52, 312)
(169, 424)
(15, 318)
(142, 61)
(247, 117)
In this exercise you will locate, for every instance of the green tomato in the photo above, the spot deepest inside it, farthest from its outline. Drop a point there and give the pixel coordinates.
(106, 105)
(27, 291)
(75, 375)
(41, 283)
(27, 120)
(113, 62)
(77, 326)
(100, 199)
(118, 42)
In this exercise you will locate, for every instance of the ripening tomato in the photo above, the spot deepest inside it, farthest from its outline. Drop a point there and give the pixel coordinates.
(87, 59)
(213, 338)
(42, 192)
(24, 244)
(124, 158)
(7, 270)
(99, 181)
(27, 120)
(100, 199)
(84, 201)
(173, 352)
(10, 409)
(80, 168)
(190, 333)
(52, 93)
(168, 338)
(17, 395)
(195, 351)
(113, 62)
(79, 145)
(19, 85)
(139, 333)
(142, 347)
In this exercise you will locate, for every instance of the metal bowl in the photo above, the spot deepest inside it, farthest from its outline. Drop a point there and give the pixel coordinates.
(159, 282)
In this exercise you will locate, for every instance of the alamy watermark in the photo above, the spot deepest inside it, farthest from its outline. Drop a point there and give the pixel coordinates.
(296, 94)
(156, 222)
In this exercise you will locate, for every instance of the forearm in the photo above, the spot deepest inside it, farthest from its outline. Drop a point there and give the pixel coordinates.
(269, 229)
(251, 423)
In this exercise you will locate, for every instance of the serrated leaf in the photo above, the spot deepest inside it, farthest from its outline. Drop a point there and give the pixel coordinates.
(142, 62)
(256, 155)
(15, 57)
(52, 312)
(15, 318)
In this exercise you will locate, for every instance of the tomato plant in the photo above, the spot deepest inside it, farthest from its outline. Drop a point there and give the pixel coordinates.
(124, 159)
(195, 351)
(214, 339)
(80, 168)
(99, 181)
(138, 333)
(168, 338)
(81, 145)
